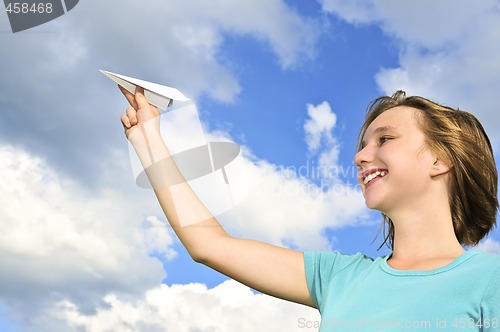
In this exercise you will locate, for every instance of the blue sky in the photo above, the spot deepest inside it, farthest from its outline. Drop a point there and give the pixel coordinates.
(83, 248)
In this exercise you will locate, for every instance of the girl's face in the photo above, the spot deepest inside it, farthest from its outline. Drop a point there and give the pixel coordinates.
(395, 164)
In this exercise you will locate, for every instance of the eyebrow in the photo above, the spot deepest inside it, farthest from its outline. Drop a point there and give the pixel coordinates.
(377, 130)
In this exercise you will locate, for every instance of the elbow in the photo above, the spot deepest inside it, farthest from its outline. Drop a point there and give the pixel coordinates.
(199, 256)
(207, 260)
(207, 255)
(210, 251)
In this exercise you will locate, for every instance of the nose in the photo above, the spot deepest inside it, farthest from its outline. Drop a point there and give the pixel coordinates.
(363, 156)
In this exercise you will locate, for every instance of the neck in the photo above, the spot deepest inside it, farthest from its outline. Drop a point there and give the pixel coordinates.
(426, 234)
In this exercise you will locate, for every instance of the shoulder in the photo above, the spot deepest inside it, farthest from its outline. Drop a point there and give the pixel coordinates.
(487, 266)
(483, 268)
(323, 267)
(484, 261)
(331, 263)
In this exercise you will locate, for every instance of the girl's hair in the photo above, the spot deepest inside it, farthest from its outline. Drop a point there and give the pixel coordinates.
(458, 138)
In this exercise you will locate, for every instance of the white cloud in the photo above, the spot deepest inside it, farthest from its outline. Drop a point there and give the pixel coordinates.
(419, 23)
(290, 36)
(356, 11)
(158, 239)
(58, 240)
(181, 308)
(319, 126)
(447, 52)
(321, 141)
(490, 246)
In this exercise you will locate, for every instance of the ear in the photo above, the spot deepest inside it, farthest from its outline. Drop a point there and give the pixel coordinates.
(440, 167)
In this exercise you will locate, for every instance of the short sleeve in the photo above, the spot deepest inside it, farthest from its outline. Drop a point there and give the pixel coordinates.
(490, 304)
(322, 267)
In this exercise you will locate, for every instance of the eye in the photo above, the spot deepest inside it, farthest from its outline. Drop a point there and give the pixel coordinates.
(383, 139)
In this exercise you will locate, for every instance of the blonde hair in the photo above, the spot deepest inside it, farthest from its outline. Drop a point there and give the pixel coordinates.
(457, 137)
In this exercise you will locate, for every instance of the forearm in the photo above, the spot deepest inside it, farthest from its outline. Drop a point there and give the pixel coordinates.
(193, 223)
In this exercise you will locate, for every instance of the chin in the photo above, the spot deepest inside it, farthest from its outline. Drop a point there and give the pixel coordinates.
(370, 203)
(374, 205)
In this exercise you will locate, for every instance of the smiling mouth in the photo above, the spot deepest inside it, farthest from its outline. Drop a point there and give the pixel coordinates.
(374, 175)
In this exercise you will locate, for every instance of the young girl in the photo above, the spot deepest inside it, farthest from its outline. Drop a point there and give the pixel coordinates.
(428, 168)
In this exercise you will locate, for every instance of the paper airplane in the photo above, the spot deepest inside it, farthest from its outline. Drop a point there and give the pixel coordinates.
(161, 96)
(198, 160)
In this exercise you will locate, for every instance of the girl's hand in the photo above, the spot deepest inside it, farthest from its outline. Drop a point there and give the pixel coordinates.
(139, 112)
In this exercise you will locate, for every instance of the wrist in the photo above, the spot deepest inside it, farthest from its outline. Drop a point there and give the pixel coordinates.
(149, 145)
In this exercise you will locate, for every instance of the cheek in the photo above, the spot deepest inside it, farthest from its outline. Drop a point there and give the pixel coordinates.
(425, 159)
(359, 179)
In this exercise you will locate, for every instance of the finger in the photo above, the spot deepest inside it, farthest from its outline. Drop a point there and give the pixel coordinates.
(140, 98)
(132, 115)
(125, 121)
(130, 97)
(129, 119)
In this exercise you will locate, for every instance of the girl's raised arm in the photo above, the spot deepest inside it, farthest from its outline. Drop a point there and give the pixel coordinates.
(269, 269)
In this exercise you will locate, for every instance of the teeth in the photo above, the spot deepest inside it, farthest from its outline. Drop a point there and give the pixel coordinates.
(373, 176)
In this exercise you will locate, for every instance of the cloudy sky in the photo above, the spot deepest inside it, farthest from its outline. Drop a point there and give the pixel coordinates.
(82, 248)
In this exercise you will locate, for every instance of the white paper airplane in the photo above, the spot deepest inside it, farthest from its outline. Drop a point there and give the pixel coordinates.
(197, 162)
(161, 96)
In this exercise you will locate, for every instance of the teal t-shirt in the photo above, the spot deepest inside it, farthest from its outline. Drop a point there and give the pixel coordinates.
(358, 293)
